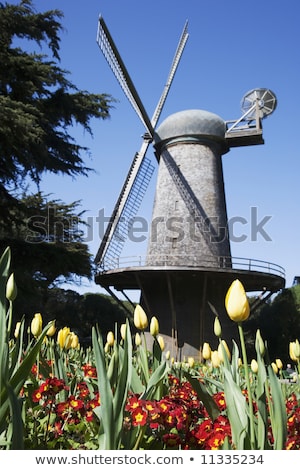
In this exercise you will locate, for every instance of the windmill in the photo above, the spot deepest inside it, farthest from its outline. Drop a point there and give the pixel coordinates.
(188, 267)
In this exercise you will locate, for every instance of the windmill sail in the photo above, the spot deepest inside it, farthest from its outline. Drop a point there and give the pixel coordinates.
(141, 169)
(114, 60)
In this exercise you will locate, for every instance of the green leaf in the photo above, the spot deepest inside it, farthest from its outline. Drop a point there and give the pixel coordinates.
(17, 441)
(279, 418)
(16, 382)
(124, 380)
(4, 271)
(237, 411)
(203, 395)
(262, 415)
(158, 375)
(105, 412)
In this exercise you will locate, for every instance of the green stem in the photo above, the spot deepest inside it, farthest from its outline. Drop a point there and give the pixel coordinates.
(139, 438)
(269, 401)
(9, 322)
(247, 377)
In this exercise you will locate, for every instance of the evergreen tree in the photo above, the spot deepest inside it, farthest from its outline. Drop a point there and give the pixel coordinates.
(38, 107)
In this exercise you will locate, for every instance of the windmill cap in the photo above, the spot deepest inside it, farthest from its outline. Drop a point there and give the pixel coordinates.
(192, 124)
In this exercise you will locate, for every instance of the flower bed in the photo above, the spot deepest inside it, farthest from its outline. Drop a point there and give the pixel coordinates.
(120, 395)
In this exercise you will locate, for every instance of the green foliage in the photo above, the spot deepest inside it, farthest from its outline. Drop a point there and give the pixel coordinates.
(15, 366)
(38, 103)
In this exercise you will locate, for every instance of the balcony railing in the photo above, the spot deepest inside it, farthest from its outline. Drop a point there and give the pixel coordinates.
(221, 262)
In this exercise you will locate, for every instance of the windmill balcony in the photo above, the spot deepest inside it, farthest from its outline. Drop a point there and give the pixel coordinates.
(224, 262)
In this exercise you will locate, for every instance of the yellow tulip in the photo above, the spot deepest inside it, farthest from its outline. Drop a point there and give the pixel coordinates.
(206, 351)
(138, 339)
(167, 356)
(291, 351)
(123, 330)
(274, 367)
(17, 329)
(161, 342)
(140, 318)
(220, 350)
(217, 327)
(37, 325)
(215, 360)
(74, 341)
(254, 366)
(297, 349)
(11, 288)
(64, 338)
(52, 330)
(279, 364)
(110, 338)
(236, 302)
(191, 361)
(294, 350)
(154, 326)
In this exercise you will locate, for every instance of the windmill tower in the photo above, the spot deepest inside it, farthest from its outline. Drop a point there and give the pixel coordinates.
(188, 267)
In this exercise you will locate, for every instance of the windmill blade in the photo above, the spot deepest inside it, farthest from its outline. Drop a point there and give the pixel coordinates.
(141, 169)
(181, 45)
(125, 210)
(114, 60)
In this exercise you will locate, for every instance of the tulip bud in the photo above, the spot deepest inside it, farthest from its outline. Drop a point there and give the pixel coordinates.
(11, 288)
(274, 367)
(123, 330)
(52, 330)
(297, 349)
(140, 318)
(254, 366)
(259, 344)
(206, 351)
(17, 329)
(236, 302)
(168, 355)
(74, 341)
(217, 327)
(37, 325)
(220, 350)
(291, 351)
(138, 339)
(154, 326)
(161, 342)
(279, 364)
(191, 361)
(110, 339)
(215, 360)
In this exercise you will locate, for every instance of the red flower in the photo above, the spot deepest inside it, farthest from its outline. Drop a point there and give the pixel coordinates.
(172, 439)
(220, 400)
(75, 403)
(89, 371)
(133, 402)
(139, 417)
(36, 396)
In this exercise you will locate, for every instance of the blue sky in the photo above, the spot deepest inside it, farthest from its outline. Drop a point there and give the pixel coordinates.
(233, 47)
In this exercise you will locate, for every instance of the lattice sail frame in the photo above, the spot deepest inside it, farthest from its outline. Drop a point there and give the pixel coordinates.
(141, 169)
